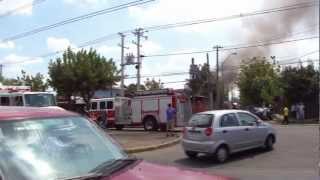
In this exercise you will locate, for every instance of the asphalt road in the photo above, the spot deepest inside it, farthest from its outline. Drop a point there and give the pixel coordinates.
(295, 157)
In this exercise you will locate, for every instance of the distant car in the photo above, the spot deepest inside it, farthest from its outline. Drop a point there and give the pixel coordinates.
(46, 144)
(223, 132)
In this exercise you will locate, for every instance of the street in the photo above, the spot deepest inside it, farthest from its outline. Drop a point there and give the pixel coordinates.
(295, 156)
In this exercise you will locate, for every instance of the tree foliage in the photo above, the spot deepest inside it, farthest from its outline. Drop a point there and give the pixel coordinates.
(300, 84)
(202, 81)
(132, 88)
(259, 82)
(82, 73)
(153, 84)
(37, 82)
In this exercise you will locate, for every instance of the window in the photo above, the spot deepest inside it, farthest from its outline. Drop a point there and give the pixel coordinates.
(55, 148)
(201, 120)
(94, 105)
(247, 119)
(4, 101)
(40, 100)
(109, 105)
(17, 101)
(102, 105)
(229, 120)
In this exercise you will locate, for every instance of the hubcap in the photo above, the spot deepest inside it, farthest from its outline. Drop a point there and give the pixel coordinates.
(222, 154)
(149, 125)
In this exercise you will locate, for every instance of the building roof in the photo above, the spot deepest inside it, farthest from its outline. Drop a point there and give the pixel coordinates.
(21, 113)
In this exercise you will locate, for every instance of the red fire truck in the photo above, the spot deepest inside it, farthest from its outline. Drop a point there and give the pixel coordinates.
(111, 112)
(149, 108)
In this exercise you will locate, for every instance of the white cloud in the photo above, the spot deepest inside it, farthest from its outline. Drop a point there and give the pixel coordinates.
(24, 7)
(13, 59)
(58, 44)
(109, 50)
(7, 45)
(86, 3)
(13, 64)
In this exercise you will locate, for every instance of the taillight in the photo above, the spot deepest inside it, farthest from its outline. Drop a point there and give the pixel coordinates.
(208, 131)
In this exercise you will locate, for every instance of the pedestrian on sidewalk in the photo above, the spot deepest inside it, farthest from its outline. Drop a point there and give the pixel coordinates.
(285, 115)
(171, 113)
(300, 111)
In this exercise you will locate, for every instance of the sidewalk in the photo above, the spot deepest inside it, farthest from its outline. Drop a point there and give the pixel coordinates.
(139, 139)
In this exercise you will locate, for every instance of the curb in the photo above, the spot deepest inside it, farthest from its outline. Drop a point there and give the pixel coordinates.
(293, 124)
(152, 147)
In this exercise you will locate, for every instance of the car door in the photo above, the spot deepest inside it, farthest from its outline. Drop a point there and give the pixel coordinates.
(230, 131)
(254, 132)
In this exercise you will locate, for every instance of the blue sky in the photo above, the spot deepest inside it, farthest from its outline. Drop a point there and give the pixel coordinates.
(22, 53)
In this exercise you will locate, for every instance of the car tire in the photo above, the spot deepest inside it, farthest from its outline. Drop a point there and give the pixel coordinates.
(119, 127)
(269, 143)
(222, 154)
(191, 154)
(150, 124)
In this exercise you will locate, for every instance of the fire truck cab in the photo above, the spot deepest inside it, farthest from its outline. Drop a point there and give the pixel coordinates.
(113, 112)
(22, 96)
(149, 108)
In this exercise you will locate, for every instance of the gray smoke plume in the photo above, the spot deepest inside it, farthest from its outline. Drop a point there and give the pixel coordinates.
(273, 27)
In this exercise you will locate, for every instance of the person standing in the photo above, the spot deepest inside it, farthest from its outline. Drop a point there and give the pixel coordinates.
(300, 111)
(170, 112)
(285, 115)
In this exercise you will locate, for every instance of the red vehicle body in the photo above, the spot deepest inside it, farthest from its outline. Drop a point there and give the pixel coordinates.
(139, 170)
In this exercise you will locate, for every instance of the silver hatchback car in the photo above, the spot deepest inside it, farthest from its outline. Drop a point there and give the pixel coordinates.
(223, 132)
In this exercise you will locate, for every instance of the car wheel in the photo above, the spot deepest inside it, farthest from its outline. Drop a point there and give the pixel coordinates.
(222, 154)
(119, 127)
(269, 143)
(150, 124)
(191, 154)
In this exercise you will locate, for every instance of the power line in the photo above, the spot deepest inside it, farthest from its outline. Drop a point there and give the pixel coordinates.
(107, 37)
(232, 47)
(22, 7)
(304, 55)
(75, 19)
(201, 21)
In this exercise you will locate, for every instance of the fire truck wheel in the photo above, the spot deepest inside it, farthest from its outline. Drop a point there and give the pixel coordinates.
(150, 123)
(119, 127)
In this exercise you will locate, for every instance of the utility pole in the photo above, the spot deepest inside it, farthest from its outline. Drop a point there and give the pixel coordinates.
(217, 77)
(122, 63)
(209, 84)
(139, 33)
(1, 68)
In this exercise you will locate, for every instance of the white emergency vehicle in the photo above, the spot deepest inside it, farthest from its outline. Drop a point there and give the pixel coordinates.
(22, 96)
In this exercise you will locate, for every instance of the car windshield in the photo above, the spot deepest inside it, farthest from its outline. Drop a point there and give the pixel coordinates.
(201, 120)
(55, 148)
(40, 100)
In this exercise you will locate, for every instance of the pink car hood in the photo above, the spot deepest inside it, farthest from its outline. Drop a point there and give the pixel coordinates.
(148, 171)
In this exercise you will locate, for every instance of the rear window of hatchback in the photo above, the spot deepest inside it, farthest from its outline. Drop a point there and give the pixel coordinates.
(201, 120)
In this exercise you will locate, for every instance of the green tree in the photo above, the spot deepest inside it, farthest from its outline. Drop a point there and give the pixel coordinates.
(153, 84)
(37, 82)
(132, 88)
(259, 82)
(202, 81)
(82, 73)
(300, 84)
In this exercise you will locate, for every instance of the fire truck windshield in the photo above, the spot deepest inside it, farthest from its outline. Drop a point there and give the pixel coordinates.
(40, 100)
